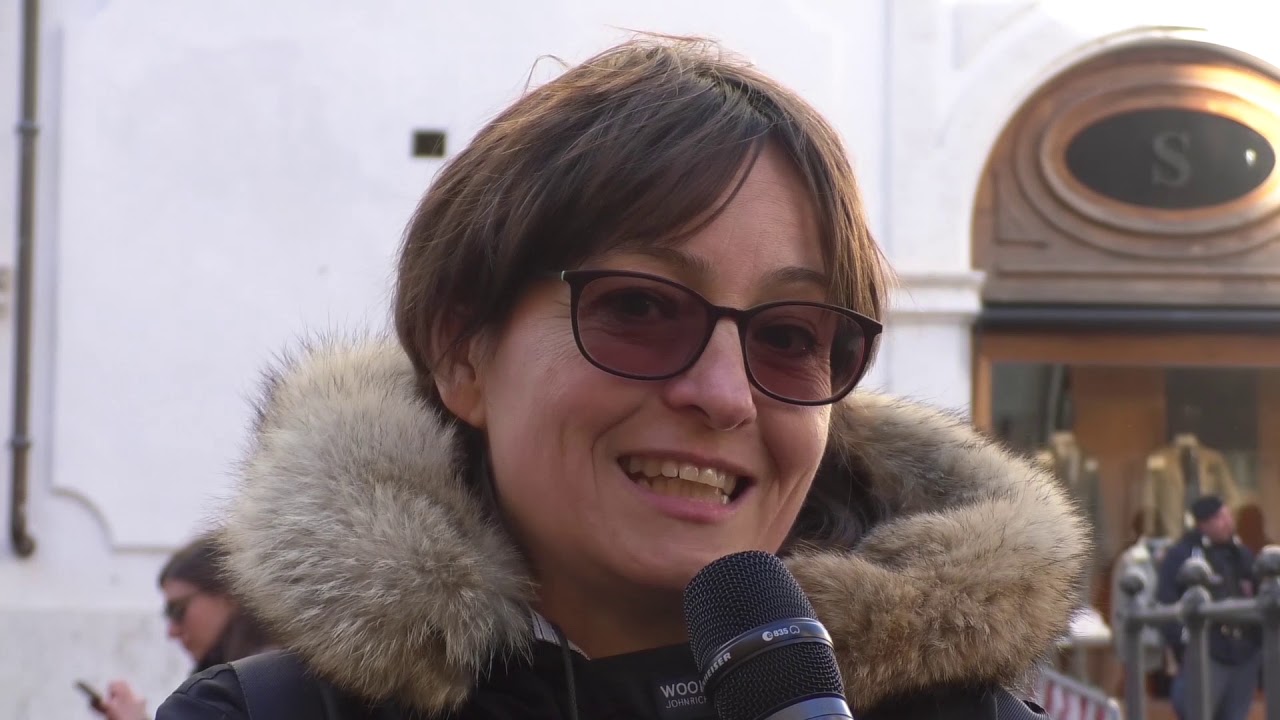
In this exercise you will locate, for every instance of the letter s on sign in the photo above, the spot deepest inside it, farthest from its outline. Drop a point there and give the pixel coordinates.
(1172, 167)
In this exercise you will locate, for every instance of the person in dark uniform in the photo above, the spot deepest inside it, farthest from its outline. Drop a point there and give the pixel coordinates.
(1234, 651)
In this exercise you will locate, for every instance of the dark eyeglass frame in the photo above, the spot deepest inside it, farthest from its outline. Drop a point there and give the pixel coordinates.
(579, 279)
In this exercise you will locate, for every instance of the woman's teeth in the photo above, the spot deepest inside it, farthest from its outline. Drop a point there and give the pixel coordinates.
(668, 477)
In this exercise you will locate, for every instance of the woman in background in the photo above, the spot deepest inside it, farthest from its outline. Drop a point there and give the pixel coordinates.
(201, 614)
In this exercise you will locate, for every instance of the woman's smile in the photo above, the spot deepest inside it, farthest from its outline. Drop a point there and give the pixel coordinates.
(684, 491)
(681, 479)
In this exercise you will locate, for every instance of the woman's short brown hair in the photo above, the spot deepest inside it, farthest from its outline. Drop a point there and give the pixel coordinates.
(637, 144)
(643, 143)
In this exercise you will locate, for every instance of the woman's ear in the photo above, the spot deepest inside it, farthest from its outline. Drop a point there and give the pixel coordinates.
(459, 379)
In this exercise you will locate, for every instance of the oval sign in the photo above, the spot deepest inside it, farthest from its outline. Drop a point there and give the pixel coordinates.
(1170, 158)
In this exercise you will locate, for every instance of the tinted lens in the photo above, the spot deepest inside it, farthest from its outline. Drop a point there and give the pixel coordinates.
(176, 610)
(805, 353)
(638, 327)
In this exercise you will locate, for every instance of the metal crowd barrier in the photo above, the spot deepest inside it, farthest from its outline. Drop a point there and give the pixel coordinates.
(1065, 698)
(1196, 610)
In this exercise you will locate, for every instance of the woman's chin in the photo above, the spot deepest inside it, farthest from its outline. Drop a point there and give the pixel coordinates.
(670, 567)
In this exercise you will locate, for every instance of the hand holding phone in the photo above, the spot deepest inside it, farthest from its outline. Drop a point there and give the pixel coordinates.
(95, 698)
(120, 702)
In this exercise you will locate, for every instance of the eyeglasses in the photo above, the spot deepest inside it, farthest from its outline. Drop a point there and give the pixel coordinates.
(644, 327)
(175, 610)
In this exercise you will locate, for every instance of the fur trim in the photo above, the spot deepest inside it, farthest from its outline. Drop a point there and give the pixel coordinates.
(354, 538)
(972, 579)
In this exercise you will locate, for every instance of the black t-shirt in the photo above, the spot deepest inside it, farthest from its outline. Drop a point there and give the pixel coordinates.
(659, 684)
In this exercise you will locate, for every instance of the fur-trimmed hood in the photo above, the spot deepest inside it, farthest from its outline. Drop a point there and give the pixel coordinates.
(355, 538)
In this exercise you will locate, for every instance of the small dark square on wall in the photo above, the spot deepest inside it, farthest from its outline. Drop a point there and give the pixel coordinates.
(428, 143)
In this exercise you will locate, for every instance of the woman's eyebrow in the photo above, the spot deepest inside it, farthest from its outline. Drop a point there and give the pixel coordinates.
(699, 268)
(797, 275)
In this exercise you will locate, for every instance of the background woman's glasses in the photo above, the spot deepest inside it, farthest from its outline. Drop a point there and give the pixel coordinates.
(175, 610)
(646, 327)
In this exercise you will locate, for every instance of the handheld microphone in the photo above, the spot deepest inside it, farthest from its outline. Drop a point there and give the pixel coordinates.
(762, 653)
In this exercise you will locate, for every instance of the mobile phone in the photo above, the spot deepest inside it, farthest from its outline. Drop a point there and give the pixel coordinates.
(95, 698)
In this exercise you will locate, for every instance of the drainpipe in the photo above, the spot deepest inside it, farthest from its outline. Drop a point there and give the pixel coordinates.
(20, 442)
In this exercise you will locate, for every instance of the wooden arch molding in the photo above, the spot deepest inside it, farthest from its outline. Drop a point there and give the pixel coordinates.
(1148, 176)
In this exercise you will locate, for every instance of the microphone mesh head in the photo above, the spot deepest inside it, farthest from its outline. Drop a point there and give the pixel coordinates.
(741, 592)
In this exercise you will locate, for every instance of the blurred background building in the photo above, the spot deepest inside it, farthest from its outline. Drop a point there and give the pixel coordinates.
(1080, 199)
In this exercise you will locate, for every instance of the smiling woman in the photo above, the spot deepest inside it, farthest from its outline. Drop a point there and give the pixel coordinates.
(631, 314)
(555, 445)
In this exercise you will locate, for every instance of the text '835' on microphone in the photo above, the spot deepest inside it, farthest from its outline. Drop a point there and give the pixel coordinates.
(761, 651)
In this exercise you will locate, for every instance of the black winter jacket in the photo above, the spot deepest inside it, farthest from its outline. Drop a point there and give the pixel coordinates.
(652, 685)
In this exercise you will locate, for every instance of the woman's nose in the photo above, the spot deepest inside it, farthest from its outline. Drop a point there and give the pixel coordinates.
(717, 384)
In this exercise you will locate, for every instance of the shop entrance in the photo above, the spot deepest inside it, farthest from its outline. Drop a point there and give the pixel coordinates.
(1118, 410)
(1128, 225)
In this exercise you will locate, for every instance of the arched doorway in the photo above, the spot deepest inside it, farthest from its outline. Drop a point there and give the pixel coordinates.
(1128, 225)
